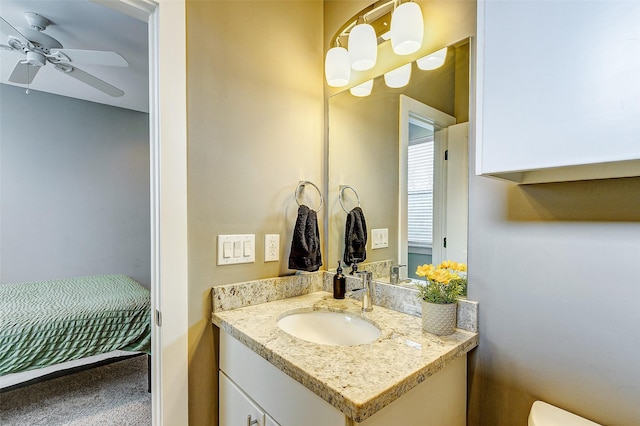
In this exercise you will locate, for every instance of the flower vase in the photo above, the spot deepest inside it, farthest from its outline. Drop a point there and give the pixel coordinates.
(439, 319)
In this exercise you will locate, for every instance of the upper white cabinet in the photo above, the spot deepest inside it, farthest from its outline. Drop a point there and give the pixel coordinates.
(558, 90)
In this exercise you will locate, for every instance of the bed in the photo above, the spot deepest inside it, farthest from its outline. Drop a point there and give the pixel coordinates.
(56, 322)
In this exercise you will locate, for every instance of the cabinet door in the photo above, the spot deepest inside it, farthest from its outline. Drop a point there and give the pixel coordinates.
(558, 89)
(236, 409)
(276, 393)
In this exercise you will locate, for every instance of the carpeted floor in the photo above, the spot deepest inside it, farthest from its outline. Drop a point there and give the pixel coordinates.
(114, 394)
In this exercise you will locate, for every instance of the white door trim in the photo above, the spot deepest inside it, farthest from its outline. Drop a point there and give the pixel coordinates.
(440, 121)
(168, 176)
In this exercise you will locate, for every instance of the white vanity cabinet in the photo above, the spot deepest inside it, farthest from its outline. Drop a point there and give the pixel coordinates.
(251, 386)
(238, 408)
(558, 93)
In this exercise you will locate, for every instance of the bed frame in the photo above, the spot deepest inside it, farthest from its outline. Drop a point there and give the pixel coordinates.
(54, 325)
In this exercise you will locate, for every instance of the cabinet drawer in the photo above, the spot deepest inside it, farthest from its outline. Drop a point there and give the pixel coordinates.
(284, 399)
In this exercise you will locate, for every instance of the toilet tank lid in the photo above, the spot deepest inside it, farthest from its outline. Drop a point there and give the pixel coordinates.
(543, 414)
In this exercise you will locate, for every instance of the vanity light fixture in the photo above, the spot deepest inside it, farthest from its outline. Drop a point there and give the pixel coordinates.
(402, 22)
(432, 61)
(407, 29)
(363, 47)
(398, 77)
(337, 67)
(363, 89)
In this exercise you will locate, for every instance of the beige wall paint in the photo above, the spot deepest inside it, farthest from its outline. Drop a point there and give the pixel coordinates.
(255, 111)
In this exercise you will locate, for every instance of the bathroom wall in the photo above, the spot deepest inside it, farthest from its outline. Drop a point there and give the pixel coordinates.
(554, 269)
(552, 265)
(255, 122)
(74, 198)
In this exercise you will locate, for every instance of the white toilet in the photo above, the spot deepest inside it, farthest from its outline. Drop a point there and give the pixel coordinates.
(543, 414)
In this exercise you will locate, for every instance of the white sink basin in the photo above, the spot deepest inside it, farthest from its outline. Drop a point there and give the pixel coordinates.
(329, 328)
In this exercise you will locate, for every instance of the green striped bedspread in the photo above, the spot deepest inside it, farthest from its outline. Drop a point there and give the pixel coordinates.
(48, 322)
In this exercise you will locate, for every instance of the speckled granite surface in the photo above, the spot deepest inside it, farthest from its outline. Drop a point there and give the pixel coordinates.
(237, 295)
(358, 380)
(403, 298)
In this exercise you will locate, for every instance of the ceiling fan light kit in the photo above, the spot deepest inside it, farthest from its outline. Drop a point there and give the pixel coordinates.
(35, 59)
(40, 48)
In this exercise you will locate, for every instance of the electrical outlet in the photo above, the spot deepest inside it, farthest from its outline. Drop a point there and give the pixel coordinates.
(271, 247)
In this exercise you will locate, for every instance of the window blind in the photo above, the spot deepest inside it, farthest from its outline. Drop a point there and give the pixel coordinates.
(420, 192)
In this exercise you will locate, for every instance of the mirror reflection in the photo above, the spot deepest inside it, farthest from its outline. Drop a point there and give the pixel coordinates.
(390, 147)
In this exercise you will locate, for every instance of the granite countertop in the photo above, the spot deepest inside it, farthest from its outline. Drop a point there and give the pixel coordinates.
(357, 380)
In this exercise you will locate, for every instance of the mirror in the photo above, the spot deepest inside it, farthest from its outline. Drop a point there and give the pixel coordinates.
(364, 153)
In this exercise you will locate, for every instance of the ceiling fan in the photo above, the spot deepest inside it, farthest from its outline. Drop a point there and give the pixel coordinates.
(41, 48)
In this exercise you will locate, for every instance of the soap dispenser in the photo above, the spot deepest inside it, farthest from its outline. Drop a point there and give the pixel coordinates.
(339, 283)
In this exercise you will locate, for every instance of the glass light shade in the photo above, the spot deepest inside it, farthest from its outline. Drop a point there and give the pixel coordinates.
(363, 47)
(432, 61)
(362, 90)
(398, 77)
(337, 68)
(407, 29)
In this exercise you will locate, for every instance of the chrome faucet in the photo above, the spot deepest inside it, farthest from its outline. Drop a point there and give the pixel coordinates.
(367, 291)
(394, 275)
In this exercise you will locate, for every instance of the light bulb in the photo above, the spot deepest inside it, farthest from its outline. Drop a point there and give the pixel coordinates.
(432, 61)
(363, 47)
(362, 90)
(398, 77)
(337, 68)
(407, 29)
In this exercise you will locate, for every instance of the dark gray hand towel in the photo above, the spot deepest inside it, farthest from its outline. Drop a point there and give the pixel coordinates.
(355, 237)
(305, 245)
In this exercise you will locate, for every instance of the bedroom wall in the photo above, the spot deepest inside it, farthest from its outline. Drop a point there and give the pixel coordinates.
(74, 188)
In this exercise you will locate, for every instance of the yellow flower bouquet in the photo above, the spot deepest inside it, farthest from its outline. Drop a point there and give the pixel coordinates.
(445, 283)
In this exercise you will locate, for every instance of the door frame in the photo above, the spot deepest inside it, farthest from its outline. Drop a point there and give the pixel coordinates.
(166, 20)
(410, 107)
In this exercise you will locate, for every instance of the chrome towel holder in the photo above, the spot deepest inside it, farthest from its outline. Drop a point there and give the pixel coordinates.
(341, 196)
(300, 189)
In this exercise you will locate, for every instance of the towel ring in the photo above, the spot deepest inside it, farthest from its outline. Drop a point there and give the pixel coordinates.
(341, 196)
(300, 188)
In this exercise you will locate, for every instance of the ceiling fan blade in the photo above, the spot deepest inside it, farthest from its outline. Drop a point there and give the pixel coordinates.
(93, 57)
(5, 47)
(23, 73)
(89, 79)
(10, 30)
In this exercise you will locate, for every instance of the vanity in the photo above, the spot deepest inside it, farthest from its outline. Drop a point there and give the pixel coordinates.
(269, 377)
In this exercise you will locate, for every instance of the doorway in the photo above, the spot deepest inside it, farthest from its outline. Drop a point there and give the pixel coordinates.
(168, 174)
(433, 186)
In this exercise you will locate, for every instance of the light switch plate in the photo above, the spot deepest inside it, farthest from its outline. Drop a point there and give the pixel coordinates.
(239, 248)
(379, 238)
